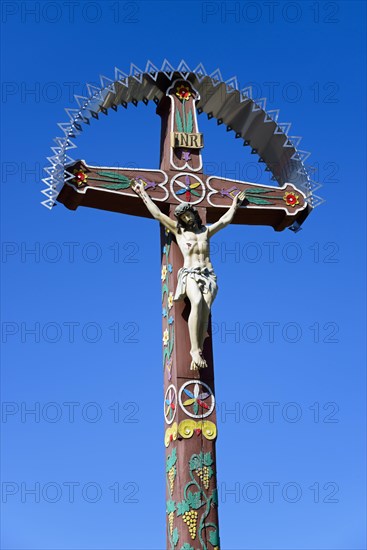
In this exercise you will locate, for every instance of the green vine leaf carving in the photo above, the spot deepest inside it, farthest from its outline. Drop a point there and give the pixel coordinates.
(179, 122)
(175, 536)
(174, 456)
(189, 123)
(257, 190)
(171, 340)
(196, 462)
(194, 500)
(164, 290)
(182, 507)
(170, 506)
(256, 200)
(171, 460)
(208, 461)
(199, 499)
(214, 538)
(116, 186)
(118, 181)
(186, 546)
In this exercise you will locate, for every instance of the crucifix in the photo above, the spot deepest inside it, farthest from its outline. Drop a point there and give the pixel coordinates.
(191, 207)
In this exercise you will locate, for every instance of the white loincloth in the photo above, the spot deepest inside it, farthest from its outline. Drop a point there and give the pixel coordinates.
(205, 278)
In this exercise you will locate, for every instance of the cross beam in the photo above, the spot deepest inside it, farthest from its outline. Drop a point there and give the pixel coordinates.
(109, 188)
(189, 395)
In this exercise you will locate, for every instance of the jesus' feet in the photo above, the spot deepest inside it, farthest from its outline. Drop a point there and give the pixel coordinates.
(198, 361)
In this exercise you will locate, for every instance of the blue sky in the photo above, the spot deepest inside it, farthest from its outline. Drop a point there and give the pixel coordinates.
(291, 470)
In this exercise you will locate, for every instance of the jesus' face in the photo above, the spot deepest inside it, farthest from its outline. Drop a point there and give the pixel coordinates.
(188, 219)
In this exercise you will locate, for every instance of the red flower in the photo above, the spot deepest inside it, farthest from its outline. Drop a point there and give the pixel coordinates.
(291, 199)
(80, 177)
(183, 92)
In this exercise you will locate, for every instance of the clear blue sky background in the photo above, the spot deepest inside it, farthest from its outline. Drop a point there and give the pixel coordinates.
(308, 59)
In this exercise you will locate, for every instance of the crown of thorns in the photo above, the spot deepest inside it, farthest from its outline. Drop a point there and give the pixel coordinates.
(182, 208)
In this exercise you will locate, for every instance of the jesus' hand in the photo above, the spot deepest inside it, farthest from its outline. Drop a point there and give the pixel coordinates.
(237, 200)
(138, 187)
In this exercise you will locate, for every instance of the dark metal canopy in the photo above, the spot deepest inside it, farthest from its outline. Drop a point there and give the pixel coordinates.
(221, 100)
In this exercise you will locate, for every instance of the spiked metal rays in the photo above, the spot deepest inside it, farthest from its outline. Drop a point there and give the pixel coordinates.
(220, 99)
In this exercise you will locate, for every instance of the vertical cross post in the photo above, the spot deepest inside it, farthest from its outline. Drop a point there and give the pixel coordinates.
(191, 504)
(189, 402)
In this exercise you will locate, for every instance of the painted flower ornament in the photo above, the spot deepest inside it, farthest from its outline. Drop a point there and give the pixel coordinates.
(183, 92)
(165, 337)
(188, 188)
(164, 272)
(170, 403)
(80, 177)
(196, 399)
(291, 199)
(170, 300)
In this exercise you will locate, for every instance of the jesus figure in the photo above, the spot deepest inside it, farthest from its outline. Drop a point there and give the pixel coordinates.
(196, 279)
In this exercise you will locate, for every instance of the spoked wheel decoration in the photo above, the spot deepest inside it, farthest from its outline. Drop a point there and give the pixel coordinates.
(196, 399)
(170, 404)
(188, 188)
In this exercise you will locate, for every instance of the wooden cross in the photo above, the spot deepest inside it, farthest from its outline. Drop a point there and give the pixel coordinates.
(189, 396)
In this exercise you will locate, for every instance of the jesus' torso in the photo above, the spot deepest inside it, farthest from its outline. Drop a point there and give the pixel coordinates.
(194, 248)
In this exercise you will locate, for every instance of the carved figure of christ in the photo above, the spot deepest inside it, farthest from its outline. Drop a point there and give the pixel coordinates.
(196, 279)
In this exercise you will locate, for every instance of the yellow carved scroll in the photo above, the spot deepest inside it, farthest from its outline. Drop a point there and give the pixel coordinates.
(187, 428)
(171, 434)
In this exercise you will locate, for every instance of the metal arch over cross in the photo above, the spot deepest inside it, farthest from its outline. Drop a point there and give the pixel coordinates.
(189, 393)
(180, 178)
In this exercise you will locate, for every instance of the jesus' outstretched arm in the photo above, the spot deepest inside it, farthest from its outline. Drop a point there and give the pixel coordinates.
(138, 187)
(228, 216)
